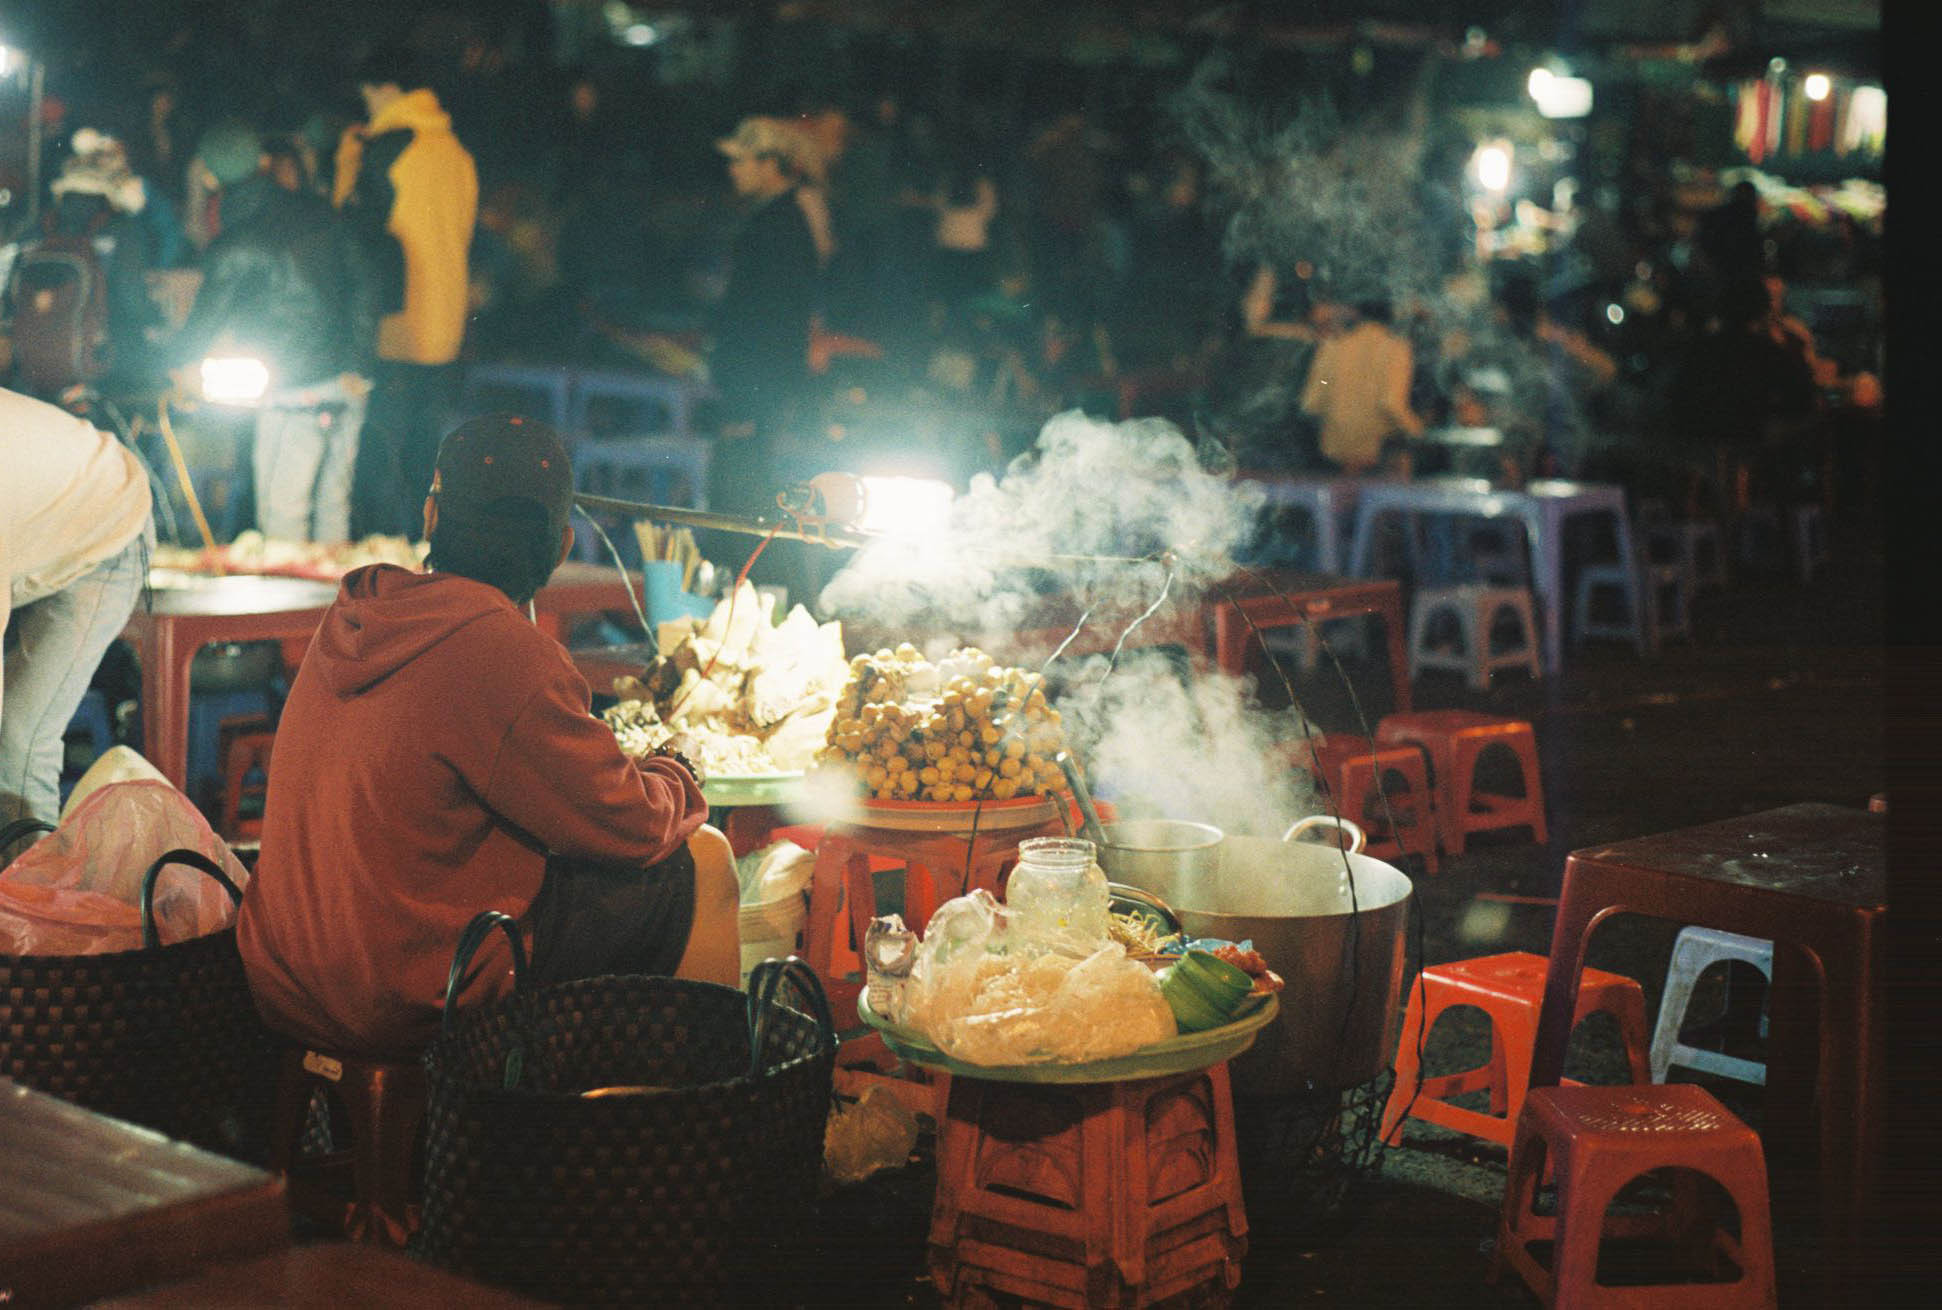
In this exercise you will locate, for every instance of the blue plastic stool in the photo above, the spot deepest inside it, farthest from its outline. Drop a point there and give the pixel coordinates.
(207, 711)
(1693, 951)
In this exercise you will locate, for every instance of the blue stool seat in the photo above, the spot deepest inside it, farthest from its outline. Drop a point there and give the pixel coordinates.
(1693, 951)
(540, 390)
(655, 403)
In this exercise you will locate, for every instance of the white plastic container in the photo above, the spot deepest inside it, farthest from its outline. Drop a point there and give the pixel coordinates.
(771, 928)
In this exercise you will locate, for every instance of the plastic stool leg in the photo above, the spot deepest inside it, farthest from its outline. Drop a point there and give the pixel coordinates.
(1681, 976)
(1407, 1067)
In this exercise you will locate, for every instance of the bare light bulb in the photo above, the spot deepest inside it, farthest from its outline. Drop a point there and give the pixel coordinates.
(234, 380)
(1493, 167)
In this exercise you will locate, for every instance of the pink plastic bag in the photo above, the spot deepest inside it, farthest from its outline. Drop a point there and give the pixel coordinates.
(77, 891)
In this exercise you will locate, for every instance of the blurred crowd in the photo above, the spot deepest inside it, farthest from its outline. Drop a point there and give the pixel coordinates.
(915, 282)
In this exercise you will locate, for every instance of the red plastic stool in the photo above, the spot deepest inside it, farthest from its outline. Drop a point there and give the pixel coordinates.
(245, 752)
(1510, 989)
(1357, 777)
(384, 1101)
(1088, 1194)
(1602, 1138)
(1453, 740)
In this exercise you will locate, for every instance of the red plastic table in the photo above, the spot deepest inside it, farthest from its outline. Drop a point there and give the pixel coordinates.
(578, 589)
(1300, 598)
(91, 1206)
(183, 619)
(1812, 879)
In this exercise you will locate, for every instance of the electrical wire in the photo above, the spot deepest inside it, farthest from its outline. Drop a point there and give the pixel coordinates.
(621, 565)
(1419, 930)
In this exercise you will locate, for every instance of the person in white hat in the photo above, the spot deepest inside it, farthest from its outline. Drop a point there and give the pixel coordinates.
(760, 363)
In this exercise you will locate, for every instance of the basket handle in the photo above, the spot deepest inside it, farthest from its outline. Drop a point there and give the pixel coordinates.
(19, 828)
(195, 860)
(762, 983)
(469, 942)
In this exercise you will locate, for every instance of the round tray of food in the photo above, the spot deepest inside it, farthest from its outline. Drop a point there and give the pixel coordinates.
(959, 816)
(752, 788)
(1182, 1054)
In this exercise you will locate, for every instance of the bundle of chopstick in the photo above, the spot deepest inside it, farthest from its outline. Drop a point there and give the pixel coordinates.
(669, 543)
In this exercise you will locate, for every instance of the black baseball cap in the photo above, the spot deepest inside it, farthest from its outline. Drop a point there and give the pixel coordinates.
(503, 456)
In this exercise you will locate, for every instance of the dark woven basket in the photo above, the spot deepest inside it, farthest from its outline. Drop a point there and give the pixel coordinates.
(165, 1036)
(678, 1187)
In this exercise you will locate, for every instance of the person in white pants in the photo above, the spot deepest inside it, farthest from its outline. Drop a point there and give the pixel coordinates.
(76, 526)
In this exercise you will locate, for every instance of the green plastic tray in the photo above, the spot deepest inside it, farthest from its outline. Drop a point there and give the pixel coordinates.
(1182, 1054)
(752, 789)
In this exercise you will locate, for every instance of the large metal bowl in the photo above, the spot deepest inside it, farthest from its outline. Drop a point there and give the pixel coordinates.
(1168, 857)
(1341, 954)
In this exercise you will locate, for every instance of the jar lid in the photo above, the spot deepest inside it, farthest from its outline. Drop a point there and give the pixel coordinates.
(1057, 852)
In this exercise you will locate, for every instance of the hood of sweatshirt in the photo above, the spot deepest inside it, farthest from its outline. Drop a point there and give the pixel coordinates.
(385, 617)
(417, 110)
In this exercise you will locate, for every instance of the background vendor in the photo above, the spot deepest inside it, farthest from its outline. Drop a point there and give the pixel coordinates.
(437, 757)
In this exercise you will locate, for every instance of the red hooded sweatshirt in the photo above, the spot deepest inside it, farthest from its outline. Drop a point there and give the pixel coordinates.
(434, 748)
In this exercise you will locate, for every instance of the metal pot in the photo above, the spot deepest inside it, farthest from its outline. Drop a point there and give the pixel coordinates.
(1343, 962)
(1168, 857)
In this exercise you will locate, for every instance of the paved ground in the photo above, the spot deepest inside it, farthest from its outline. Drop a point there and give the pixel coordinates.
(1777, 700)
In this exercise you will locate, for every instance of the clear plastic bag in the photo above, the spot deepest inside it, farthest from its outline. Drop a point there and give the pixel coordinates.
(875, 1133)
(77, 891)
(984, 998)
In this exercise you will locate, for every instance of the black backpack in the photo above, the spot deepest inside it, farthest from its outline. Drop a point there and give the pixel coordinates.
(58, 294)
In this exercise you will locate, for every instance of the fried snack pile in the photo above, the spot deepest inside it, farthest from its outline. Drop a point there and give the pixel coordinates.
(962, 729)
(738, 694)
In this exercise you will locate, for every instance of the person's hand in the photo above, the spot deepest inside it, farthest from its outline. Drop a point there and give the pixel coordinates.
(354, 385)
(670, 753)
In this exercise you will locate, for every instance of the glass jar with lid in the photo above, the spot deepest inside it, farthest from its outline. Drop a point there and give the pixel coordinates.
(1057, 894)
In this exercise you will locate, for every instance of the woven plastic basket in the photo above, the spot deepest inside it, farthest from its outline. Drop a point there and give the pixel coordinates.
(676, 1182)
(165, 1036)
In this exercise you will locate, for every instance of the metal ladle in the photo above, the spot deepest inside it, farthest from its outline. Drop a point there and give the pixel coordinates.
(1089, 817)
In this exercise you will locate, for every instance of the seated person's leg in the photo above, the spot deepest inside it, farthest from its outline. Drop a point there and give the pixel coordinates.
(678, 918)
(714, 951)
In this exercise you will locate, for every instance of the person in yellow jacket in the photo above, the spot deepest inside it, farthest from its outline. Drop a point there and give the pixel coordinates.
(411, 189)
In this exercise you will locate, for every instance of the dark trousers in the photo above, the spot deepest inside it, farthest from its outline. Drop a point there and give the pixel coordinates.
(592, 919)
(410, 405)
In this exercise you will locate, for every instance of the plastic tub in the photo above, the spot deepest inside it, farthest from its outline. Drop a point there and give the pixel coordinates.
(771, 928)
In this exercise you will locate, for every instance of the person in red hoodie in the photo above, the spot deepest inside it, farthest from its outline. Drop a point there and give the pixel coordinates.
(437, 756)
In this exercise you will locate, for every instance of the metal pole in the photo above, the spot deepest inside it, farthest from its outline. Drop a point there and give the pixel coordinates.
(834, 538)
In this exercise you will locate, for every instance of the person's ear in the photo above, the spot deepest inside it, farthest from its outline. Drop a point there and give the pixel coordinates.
(566, 545)
(431, 516)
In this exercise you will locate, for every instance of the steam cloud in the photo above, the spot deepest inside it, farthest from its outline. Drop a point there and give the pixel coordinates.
(1201, 748)
(1088, 488)
(1344, 198)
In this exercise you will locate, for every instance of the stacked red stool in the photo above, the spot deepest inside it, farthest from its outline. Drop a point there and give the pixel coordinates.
(1454, 740)
(1354, 774)
(1088, 1194)
(1594, 1141)
(1509, 988)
